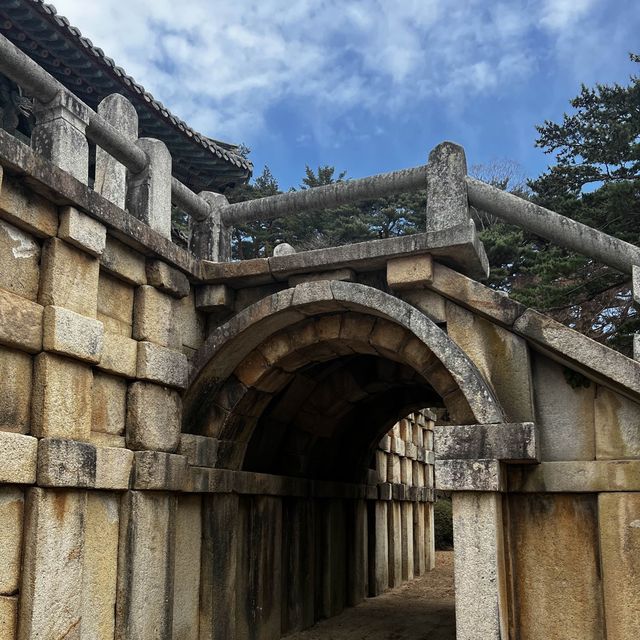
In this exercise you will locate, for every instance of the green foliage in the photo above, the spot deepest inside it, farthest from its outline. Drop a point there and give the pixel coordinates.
(380, 218)
(443, 523)
(595, 180)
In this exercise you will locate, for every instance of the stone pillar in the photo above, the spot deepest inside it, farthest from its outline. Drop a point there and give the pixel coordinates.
(210, 240)
(357, 552)
(149, 195)
(447, 203)
(259, 578)
(378, 547)
(298, 568)
(220, 526)
(394, 524)
(480, 580)
(145, 562)
(60, 134)
(111, 175)
(51, 593)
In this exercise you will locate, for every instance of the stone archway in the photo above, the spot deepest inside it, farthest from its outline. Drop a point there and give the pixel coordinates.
(287, 383)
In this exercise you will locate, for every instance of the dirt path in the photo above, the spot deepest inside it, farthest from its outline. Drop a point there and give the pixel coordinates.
(419, 610)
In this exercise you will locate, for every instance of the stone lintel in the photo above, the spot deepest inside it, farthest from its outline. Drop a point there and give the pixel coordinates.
(470, 475)
(506, 442)
(579, 476)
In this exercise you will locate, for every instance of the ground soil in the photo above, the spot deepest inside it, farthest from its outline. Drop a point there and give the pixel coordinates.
(422, 609)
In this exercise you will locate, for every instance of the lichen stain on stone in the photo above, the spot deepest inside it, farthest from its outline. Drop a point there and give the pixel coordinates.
(24, 246)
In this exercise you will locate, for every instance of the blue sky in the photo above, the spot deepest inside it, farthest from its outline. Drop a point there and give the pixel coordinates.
(367, 85)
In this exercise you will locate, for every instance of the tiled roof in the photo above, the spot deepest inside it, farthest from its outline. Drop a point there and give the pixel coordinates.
(60, 48)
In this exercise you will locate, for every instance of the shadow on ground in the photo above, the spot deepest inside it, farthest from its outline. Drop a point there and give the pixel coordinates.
(419, 610)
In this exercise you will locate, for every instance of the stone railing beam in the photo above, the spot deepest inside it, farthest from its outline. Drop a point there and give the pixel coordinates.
(326, 196)
(561, 230)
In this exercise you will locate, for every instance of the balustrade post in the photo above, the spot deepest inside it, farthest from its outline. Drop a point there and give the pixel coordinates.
(60, 134)
(447, 202)
(149, 193)
(210, 238)
(635, 286)
(111, 175)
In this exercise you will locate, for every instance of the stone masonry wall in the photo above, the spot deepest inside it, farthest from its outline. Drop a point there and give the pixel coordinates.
(113, 523)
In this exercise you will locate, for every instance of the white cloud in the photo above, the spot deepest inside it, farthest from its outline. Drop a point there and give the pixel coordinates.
(221, 66)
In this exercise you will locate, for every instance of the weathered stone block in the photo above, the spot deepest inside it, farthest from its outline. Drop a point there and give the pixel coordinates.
(15, 400)
(393, 469)
(8, 618)
(67, 463)
(488, 344)
(11, 515)
(119, 355)
(554, 550)
(635, 274)
(115, 304)
(429, 302)
(214, 297)
(564, 413)
(123, 262)
(82, 231)
(19, 261)
(107, 440)
(154, 417)
(480, 581)
(71, 334)
(200, 451)
(410, 273)
(62, 398)
(191, 323)
(346, 275)
(394, 535)
(499, 441)
(168, 279)
(617, 424)
(162, 365)
(20, 322)
(159, 471)
(469, 475)
(447, 203)
(18, 458)
(51, 590)
(100, 565)
(619, 530)
(154, 319)
(582, 476)
(68, 278)
(145, 557)
(406, 471)
(109, 404)
(186, 569)
(26, 209)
